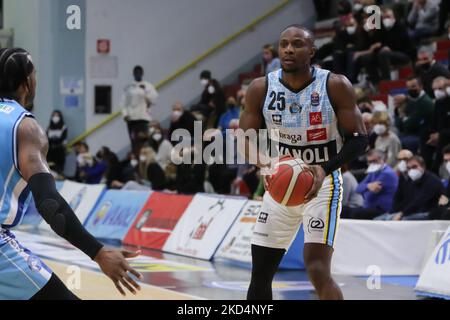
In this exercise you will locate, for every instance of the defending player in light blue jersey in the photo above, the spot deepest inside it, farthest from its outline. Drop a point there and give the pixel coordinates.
(24, 174)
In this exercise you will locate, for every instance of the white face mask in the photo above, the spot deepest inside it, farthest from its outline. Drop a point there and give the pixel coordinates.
(374, 167)
(447, 90)
(447, 166)
(157, 137)
(415, 174)
(379, 107)
(357, 6)
(366, 27)
(401, 166)
(379, 129)
(351, 29)
(204, 82)
(176, 115)
(56, 119)
(388, 23)
(439, 94)
(211, 90)
(143, 158)
(134, 162)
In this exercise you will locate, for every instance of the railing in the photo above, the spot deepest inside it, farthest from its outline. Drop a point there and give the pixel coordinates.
(189, 65)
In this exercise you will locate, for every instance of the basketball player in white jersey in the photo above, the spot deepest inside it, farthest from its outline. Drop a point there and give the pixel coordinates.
(318, 121)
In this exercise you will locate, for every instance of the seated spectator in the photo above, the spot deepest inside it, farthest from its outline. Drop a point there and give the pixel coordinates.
(84, 159)
(440, 123)
(156, 170)
(271, 61)
(350, 198)
(181, 119)
(213, 98)
(190, 177)
(231, 114)
(97, 172)
(428, 69)
(413, 114)
(365, 104)
(401, 167)
(57, 140)
(396, 46)
(442, 212)
(387, 141)
(423, 19)
(367, 119)
(128, 171)
(378, 188)
(418, 196)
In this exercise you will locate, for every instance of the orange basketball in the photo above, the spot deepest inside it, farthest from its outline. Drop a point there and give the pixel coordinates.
(289, 185)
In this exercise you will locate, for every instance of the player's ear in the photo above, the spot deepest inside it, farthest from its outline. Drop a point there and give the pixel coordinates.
(313, 52)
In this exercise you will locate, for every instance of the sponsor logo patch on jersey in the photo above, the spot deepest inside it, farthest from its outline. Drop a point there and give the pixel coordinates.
(277, 119)
(295, 108)
(316, 134)
(6, 109)
(263, 217)
(315, 99)
(315, 118)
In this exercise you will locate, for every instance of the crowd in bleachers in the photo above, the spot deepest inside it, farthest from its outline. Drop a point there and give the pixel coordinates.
(403, 94)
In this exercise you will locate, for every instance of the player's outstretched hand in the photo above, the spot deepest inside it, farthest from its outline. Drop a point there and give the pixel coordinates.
(113, 263)
(318, 176)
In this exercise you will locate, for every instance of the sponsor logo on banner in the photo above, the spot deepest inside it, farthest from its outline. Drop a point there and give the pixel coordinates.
(315, 118)
(443, 253)
(143, 220)
(75, 202)
(315, 99)
(316, 134)
(101, 214)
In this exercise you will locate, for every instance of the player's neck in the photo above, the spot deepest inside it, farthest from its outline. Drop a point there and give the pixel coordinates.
(298, 79)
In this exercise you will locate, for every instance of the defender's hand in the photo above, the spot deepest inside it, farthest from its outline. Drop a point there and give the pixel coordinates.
(113, 263)
(318, 177)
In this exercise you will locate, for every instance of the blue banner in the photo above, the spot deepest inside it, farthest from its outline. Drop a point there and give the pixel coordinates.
(115, 212)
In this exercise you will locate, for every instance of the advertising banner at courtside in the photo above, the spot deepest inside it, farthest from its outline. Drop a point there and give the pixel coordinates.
(203, 226)
(157, 219)
(435, 278)
(115, 212)
(81, 198)
(236, 245)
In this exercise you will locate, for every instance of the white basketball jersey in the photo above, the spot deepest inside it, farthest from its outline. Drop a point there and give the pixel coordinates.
(306, 120)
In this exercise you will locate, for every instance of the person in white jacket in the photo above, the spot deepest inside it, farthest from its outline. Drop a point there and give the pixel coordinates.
(136, 102)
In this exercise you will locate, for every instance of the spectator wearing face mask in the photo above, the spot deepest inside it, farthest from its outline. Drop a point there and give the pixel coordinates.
(181, 119)
(136, 102)
(428, 69)
(226, 120)
(413, 115)
(350, 198)
(158, 162)
(128, 171)
(98, 172)
(440, 124)
(442, 212)
(84, 159)
(418, 196)
(271, 61)
(378, 188)
(423, 19)
(387, 141)
(213, 97)
(57, 140)
(401, 166)
(396, 46)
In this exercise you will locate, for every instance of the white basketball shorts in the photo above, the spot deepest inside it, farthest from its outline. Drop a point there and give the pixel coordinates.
(277, 225)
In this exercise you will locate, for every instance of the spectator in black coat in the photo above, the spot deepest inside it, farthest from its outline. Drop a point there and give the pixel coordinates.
(397, 48)
(57, 140)
(418, 196)
(442, 212)
(428, 69)
(181, 119)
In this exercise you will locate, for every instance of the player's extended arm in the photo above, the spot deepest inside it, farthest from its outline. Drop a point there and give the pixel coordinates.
(251, 119)
(32, 151)
(342, 96)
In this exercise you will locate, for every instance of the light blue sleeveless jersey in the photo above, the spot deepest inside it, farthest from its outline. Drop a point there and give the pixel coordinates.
(14, 192)
(305, 119)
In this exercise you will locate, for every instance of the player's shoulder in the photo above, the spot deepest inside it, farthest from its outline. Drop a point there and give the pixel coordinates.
(29, 128)
(258, 86)
(338, 84)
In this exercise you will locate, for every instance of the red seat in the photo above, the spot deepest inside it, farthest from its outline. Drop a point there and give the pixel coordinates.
(443, 45)
(386, 86)
(441, 55)
(380, 97)
(405, 72)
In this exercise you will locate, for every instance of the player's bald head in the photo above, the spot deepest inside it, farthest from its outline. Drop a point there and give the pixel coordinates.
(298, 31)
